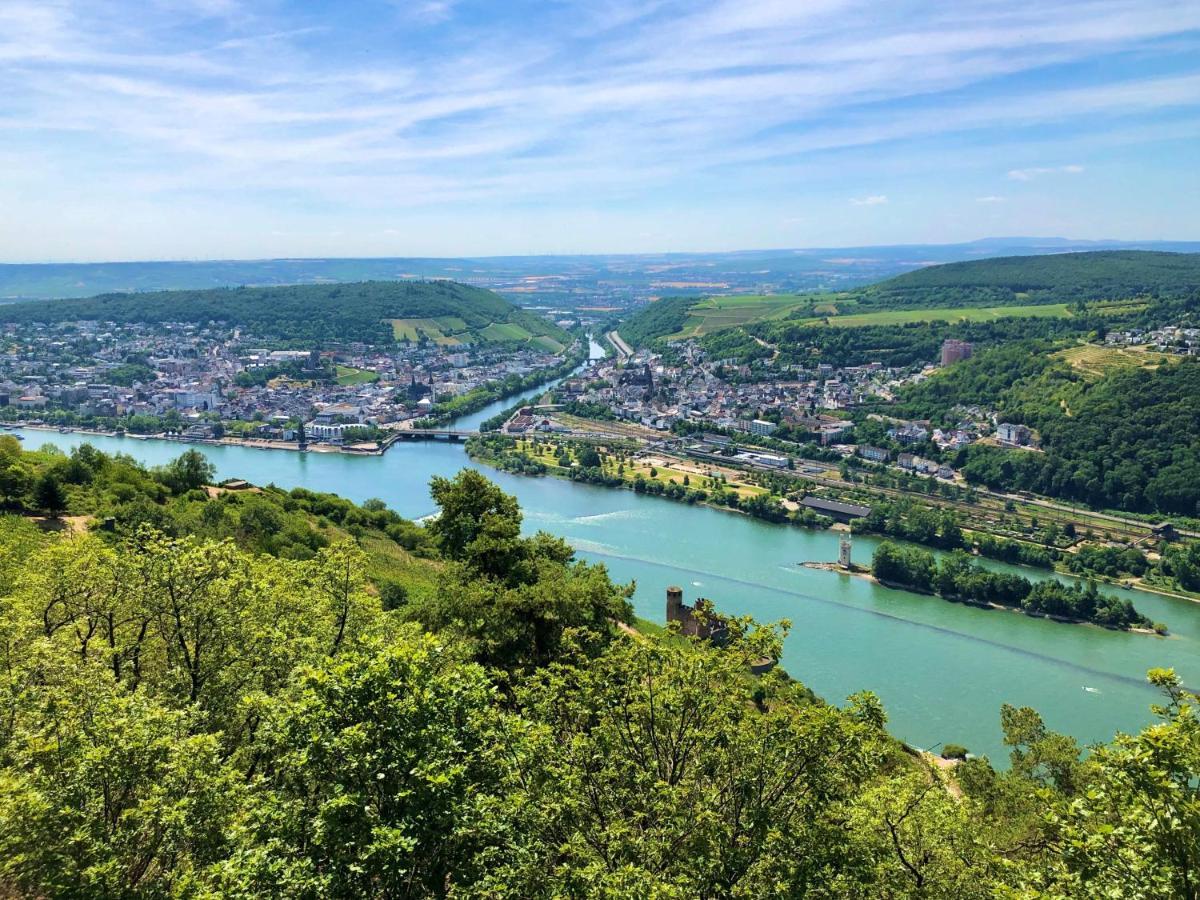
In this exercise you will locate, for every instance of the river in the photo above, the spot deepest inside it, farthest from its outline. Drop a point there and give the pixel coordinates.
(942, 669)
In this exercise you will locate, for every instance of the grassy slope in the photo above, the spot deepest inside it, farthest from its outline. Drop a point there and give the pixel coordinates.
(963, 314)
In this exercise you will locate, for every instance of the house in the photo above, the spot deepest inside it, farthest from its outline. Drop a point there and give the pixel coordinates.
(1017, 435)
(874, 454)
(833, 433)
(909, 433)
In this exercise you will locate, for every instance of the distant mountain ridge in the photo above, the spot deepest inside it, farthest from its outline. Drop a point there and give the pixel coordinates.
(787, 269)
(372, 312)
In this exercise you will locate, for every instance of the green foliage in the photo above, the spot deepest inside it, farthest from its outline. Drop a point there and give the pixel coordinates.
(1052, 278)
(184, 716)
(310, 313)
(660, 318)
(957, 577)
(129, 373)
(516, 600)
(190, 470)
(1130, 441)
(48, 494)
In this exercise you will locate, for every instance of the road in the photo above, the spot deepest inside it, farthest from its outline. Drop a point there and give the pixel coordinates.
(623, 349)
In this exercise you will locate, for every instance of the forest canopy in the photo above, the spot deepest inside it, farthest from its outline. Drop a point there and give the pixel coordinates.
(189, 708)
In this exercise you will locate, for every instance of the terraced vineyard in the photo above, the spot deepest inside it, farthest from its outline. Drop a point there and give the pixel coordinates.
(718, 313)
(1096, 361)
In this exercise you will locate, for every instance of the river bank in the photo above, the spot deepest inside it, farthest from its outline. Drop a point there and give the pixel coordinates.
(680, 467)
(943, 670)
(857, 571)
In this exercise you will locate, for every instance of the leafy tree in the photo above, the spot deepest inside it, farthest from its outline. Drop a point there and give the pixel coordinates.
(190, 470)
(48, 495)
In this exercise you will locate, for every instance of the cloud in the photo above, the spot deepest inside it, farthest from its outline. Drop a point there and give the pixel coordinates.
(1030, 174)
(991, 198)
(661, 105)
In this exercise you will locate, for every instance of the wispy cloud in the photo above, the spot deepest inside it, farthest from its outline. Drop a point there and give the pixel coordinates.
(990, 198)
(572, 106)
(1038, 172)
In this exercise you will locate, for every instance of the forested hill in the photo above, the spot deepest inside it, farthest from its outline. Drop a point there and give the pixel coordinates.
(360, 311)
(1168, 282)
(1057, 278)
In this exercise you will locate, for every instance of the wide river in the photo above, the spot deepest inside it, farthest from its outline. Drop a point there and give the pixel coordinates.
(942, 669)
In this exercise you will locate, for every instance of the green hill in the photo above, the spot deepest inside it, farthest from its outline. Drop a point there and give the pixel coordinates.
(370, 311)
(1058, 278)
(979, 290)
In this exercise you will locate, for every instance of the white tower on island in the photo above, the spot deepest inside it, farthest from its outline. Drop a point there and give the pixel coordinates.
(844, 552)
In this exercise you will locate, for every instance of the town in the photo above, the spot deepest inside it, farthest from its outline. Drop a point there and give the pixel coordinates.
(773, 410)
(211, 383)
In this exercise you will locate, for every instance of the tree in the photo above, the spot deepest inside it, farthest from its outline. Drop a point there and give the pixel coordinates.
(188, 471)
(479, 525)
(662, 777)
(383, 778)
(48, 495)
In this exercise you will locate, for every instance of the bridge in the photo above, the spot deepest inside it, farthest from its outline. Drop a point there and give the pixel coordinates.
(432, 434)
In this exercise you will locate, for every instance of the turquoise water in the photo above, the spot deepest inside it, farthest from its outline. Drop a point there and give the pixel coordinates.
(942, 669)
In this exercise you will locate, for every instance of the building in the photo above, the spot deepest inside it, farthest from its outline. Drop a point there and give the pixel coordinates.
(954, 350)
(762, 427)
(844, 549)
(908, 434)
(874, 454)
(835, 509)
(1017, 435)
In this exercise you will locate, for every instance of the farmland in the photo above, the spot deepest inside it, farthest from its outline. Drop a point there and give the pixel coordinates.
(452, 331)
(718, 313)
(441, 330)
(943, 314)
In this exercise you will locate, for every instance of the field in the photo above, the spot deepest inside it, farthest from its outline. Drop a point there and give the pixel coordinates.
(440, 330)
(505, 332)
(945, 314)
(1096, 361)
(665, 470)
(717, 313)
(548, 343)
(347, 375)
(451, 331)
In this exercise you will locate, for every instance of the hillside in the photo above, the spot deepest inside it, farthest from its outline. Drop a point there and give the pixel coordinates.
(1058, 278)
(1127, 438)
(984, 290)
(191, 708)
(368, 311)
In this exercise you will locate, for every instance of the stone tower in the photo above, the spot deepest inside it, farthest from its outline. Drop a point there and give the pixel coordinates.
(844, 552)
(675, 604)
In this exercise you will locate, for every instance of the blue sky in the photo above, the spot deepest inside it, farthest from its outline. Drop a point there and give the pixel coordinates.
(187, 129)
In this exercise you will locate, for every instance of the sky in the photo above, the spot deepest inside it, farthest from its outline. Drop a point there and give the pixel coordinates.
(197, 129)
